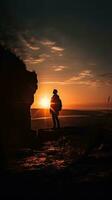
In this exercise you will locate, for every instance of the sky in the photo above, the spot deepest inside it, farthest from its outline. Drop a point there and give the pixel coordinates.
(67, 43)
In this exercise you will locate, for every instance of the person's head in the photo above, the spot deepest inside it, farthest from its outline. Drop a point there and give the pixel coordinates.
(55, 91)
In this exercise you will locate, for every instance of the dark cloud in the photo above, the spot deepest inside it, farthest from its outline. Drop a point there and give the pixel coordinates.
(83, 28)
(85, 78)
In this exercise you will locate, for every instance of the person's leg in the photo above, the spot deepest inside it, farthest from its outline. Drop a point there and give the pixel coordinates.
(57, 120)
(54, 120)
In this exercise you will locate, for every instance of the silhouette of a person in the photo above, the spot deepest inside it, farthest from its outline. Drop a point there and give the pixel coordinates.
(109, 99)
(55, 107)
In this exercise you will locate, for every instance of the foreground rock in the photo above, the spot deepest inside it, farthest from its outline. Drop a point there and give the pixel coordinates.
(17, 88)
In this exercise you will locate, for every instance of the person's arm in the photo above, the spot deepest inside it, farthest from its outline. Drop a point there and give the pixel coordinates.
(52, 104)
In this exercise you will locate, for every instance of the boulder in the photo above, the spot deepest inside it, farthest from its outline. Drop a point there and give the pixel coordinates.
(17, 88)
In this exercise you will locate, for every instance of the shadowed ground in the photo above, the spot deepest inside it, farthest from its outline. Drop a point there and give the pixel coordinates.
(71, 161)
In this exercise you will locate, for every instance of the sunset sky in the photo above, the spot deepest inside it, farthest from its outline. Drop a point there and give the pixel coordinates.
(68, 44)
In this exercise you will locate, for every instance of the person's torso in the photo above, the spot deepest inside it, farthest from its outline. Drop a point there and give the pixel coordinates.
(54, 102)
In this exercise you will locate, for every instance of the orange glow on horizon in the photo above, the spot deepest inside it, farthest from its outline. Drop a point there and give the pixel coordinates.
(74, 97)
(44, 102)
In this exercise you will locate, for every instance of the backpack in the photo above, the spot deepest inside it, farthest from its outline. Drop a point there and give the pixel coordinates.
(59, 105)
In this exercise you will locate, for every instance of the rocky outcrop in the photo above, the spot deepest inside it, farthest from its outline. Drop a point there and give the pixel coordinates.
(17, 88)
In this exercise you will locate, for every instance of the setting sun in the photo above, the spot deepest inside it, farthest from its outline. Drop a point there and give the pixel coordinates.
(44, 102)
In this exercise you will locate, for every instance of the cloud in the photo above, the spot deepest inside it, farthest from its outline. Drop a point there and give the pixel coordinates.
(35, 51)
(33, 46)
(106, 75)
(106, 78)
(69, 82)
(37, 61)
(53, 82)
(34, 61)
(86, 73)
(57, 49)
(88, 82)
(51, 45)
(82, 75)
(47, 43)
(86, 78)
(44, 55)
(59, 68)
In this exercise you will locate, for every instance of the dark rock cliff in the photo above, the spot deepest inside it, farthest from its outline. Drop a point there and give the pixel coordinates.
(17, 88)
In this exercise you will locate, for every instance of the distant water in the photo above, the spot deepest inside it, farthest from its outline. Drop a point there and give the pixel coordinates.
(41, 120)
(61, 116)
